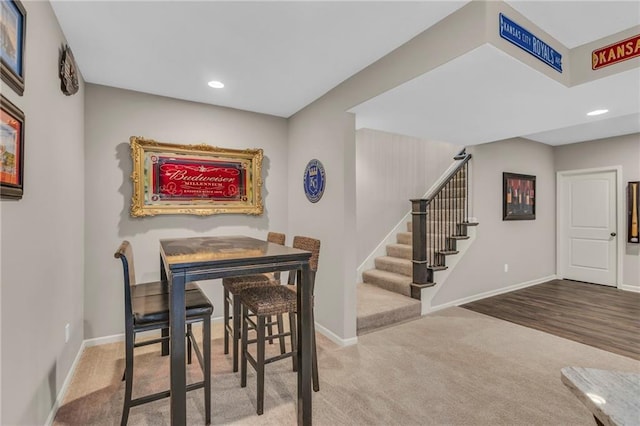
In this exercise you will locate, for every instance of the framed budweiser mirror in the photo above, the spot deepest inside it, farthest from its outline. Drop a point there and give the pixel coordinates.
(194, 179)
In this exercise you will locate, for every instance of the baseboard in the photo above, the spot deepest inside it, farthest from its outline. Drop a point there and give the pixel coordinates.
(120, 337)
(334, 337)
(633, 288)
(65, 386)
(491, 293)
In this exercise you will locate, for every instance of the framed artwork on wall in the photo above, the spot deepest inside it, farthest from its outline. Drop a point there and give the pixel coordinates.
(194, 179)
(518, 197)
(13, 22)
(11, 150)
(633, 215)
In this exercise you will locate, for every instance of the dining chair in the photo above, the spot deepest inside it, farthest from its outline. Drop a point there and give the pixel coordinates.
(266, 301)
(146, 307)
(232, 286)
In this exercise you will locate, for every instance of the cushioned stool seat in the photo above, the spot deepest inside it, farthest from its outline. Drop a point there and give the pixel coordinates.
(155, 308)
(237, 284)
(269, 300)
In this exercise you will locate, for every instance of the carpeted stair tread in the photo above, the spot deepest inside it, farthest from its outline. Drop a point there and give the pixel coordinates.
(394, 264)
(379, 308)
(390, 281)
(403, 251)
(407, 237)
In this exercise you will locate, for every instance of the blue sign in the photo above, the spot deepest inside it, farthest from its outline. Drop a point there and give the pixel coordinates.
(531, 44)
(314, 180)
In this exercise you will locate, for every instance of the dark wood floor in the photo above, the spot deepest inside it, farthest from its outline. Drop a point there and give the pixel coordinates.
(595, 315)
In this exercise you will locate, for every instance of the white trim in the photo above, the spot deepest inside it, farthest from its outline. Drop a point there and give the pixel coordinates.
(620, 219)
(65, 386)
(97, 341)
(440, 277)
(335, 338)
(380, 250)
(491, 293)
(633, 288)
(114, 338)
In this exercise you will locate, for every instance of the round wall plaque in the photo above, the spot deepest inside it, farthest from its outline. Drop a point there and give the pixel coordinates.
(314, 180)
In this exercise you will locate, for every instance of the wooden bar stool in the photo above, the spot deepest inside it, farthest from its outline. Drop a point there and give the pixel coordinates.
(264, 302)
(234, 285)
(147, 308)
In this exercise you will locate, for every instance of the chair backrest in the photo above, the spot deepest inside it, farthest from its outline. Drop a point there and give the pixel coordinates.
(308, 244)
(276, 238)
(125, 254)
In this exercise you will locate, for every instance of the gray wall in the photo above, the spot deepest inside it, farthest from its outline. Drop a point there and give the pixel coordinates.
(325, 130)
(112, 116)
(332, 219)
(619, 151)
(43, 234)
(390, 170)
(527, 246)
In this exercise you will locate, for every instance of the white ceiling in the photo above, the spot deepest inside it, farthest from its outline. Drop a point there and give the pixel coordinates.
(487, 95)
(277, 57)
(273, 57)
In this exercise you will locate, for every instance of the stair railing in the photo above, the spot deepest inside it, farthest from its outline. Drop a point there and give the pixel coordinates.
(436, 218)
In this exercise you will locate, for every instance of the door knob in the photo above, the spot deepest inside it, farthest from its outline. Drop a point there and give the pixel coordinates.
(613, 234)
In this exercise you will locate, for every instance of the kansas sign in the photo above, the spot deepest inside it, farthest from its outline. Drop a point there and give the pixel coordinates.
(616, 52)
(528, 42)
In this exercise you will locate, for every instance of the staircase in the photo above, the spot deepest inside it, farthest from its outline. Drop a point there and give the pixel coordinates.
(390, 293)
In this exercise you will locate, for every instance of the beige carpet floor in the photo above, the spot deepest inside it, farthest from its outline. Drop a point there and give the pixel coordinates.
(453, 367)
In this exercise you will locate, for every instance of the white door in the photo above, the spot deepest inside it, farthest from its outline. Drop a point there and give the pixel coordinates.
(587, 204)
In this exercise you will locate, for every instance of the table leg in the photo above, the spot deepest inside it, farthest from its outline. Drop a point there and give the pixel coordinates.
(304, 345)
(178, 369)
(165, 331)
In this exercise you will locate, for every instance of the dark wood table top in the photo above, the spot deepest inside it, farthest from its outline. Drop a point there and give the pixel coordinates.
(225, 250)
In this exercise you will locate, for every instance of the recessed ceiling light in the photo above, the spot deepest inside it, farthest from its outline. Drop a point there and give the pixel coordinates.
(598, 112)
(215, 84)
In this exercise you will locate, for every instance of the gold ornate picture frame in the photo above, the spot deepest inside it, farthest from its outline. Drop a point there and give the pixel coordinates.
(194, 179)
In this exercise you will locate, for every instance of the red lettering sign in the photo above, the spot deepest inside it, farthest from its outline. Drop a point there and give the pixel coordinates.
(182, 179)
(617, 52)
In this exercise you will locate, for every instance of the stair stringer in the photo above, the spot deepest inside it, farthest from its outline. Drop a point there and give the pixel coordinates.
(440, 277)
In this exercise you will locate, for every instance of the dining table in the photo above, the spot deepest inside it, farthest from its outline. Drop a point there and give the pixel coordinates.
(183, 260)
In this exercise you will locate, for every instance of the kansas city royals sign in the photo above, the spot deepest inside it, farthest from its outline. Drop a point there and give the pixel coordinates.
(528, 42)
(314, 180)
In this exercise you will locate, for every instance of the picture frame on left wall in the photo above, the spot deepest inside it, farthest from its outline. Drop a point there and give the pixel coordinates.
(13, 24)
(11, 150)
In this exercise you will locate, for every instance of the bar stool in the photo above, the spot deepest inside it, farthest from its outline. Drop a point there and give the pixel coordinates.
(234, 285)
(265, 301)
(147, 308)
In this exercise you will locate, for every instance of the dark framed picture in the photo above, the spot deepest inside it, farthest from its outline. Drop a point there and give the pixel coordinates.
(11, 150)
(518, 197)
(13, 22)
(633, 215)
